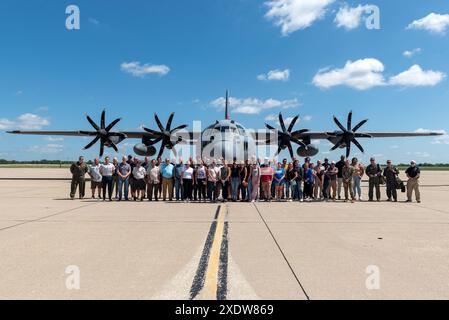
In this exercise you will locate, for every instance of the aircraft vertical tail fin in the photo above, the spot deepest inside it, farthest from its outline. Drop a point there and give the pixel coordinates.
(227, 117)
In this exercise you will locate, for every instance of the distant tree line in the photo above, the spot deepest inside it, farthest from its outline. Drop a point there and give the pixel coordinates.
(38, 162)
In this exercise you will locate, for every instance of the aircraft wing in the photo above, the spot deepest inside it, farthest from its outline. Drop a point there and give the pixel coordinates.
(402, 134)
(193, 136)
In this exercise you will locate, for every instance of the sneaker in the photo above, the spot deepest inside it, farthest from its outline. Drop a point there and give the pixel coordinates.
(419, 201)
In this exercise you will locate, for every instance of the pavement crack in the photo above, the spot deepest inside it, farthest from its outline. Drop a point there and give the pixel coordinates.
(46, 217)
(282, 253)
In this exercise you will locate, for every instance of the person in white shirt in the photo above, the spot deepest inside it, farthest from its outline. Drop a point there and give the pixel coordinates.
(139, 174)
(187, 181)
(107, 169)
(153, 181)
(95, 178)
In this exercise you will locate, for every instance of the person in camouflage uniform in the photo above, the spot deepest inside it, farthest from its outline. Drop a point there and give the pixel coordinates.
(373, 171)
(78, 170)
(391, 173)
(348, 172)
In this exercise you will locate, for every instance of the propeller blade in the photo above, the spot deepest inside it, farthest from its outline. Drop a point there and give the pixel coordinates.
(112, 124)
(290, 149)
(170, 119)
(153, 142)
(337, 145)
(179, 128)
(94, 141)
(292, 123)
(113, 145)
(279, 150)
(348, 149)
(92, 123)
(358, 126)
(299, 142)
(349, 120)
(338, 123)
(156, 133)
(103, 119)
(281, 122)
(161, 150)
(158, 122)
(269, 127)
(358, 145)
(101, 148)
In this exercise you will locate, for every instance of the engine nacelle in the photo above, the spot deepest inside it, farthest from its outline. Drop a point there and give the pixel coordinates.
(310, 151)
(143, 150)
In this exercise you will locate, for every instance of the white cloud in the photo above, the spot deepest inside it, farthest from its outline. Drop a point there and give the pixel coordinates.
(443, 139)
(46, 149)
(293, 15)
(54, 139)
(350, 17)
(94, 21)
(411, 53)
(254, 105)
(434, 23)
(307, 118)
(368, 73)
(27, 121)
(138, 70)
(361, 74)
(271, 117)
(416, 76)
(275, 75)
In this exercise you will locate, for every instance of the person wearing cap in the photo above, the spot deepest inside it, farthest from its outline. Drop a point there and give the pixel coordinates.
(413, 173)
(167, 172)
(78, 170)
(95, 178)
(373, 171)
(391, 173)
(357, 178)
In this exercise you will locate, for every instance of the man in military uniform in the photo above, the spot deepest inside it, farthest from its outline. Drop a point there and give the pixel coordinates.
(78, 170)
(373, 171)
(347, 173)
(390, 174)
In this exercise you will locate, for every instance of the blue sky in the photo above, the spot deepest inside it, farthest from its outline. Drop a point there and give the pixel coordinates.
(135, 58)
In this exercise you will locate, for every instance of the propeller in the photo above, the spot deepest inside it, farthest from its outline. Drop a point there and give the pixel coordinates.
(166, 134)
(286, 136)
(103, 133)
(348, 135)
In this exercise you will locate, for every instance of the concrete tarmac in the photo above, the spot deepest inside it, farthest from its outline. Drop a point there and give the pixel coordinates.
(140, 250)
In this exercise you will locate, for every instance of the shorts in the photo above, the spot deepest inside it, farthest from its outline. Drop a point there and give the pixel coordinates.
(94, 185)
(279, 183)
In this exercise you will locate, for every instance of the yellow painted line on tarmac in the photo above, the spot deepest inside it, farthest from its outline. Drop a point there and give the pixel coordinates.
(210, 288)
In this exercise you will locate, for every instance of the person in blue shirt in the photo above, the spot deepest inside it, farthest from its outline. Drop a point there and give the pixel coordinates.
(279, 179)
(179, 168)
(167, 171)
(309, 181)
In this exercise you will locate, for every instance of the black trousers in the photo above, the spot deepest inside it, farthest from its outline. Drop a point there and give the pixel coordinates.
(391, 190)
(107, 182)
(201, 188)
(188, 188)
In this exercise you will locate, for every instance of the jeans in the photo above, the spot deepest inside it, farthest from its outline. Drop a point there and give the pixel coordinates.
(249, 189)
(288, 185)
(123, 184)
(179, 194)
(357, 190)
(235, 182)
(298, 191)
(107, 182)
(211, 190)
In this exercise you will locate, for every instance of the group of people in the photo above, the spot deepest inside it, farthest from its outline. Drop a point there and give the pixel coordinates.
(133, 179)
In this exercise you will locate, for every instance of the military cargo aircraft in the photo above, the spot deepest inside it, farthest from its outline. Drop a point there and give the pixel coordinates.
(227, 139)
